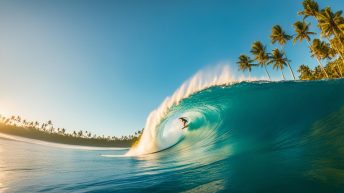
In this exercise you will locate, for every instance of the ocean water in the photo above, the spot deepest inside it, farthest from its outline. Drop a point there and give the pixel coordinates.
(243, 138)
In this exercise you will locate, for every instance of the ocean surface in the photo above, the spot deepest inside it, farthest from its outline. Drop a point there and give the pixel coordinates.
(248, 137)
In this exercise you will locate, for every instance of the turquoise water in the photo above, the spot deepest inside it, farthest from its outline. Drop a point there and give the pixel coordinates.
(248, 137)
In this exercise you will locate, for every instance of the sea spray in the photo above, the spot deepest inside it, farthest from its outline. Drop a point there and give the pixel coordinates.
(203, 79)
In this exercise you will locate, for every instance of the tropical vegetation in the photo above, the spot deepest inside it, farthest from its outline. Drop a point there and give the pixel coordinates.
(16, 125)
(326, 47)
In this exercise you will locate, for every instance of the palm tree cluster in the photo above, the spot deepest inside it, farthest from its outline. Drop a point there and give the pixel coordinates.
(328, 47)
(48, 128)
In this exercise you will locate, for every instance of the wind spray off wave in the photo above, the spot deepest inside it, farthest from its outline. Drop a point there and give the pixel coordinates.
(155, 138)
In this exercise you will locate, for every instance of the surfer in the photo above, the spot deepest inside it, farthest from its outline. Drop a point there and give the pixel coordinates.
(184, 121)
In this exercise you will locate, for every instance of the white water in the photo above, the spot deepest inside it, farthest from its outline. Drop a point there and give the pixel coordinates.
(220, 75)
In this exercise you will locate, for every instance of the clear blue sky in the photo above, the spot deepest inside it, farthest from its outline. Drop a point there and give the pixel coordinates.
(104, 65)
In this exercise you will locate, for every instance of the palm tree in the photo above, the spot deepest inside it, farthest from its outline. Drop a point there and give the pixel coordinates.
(305, 72)
(18, 119)
(80, 133)
(303, 33)
(13, 119)
(327, 51)
(329, 23)
(259, 52)
(278, 35)
(310, 8)
(7, 121)
(36, 124)
(245, 63)
(337, 42)
(43, 126)
(278, 60)
(319, 49)
(331, 53)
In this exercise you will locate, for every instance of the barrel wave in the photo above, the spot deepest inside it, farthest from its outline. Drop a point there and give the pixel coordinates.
(253, 136)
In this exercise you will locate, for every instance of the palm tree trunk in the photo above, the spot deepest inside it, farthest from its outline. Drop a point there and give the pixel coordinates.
(292, 73)
(337, 73)
(341, 43)
(340, 55)
(282, 74)
(321, 66)
(291, 70)
(340, 71)
(267, 72)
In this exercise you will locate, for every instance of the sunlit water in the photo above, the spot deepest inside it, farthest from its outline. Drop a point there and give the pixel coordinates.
(248, 137)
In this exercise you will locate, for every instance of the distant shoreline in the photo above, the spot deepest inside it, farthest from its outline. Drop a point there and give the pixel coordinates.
(34, 134)
(53, 144)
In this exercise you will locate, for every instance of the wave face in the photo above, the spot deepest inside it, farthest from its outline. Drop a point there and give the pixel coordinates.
(266, 134)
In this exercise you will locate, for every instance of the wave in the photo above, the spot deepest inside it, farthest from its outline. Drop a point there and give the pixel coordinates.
(240, 125)
(156, 137)
(231, 115)
(259, 133)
